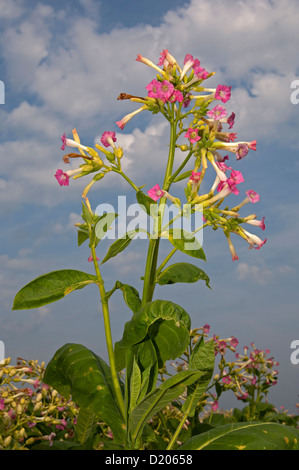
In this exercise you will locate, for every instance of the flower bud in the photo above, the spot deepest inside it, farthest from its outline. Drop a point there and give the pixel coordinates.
(7, 441)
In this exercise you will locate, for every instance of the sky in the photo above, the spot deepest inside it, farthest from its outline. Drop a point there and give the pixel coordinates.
(63, 65)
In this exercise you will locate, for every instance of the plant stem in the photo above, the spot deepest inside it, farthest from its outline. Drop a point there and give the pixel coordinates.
(105, 308)
(153, 249)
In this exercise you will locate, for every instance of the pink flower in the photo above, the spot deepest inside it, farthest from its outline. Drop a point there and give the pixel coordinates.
(242, 151)
(176, 96)
(108, 138)
(206, 328)
(200, 73)
(71, 143)
(234, 342)
(121, 124)
(2, 404)
(62, 178)
(154, 89)
(91, 259)
(252, 196)
(231, 120)
(215, 406)
(166, 90)
(257, 223)
(223, 93)
(195, 177)
(254, 240)
(231, 248)
(192, 135)
(252, 145)
(217, 113)
(235, 178)
(156, 192)
(226, 380)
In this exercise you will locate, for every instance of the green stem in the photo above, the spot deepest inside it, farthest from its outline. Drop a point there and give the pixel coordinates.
(182, 422)
(108, 334)
(152, 255)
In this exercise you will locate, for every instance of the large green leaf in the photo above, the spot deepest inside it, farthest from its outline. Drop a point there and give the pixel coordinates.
(165, 323)
(185, 242)
(201, 359)
(182, 272)
(157, 399)
(51, 287)
(75, 370)
(246, 436)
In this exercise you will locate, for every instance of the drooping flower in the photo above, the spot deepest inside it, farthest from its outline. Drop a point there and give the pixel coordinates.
(231, 120)
(254, 240)
(223, 93)
(121, 124)
(192, 135)
(71, 143)
(217, 113)
(155, 192)
(90, 259)
(231, 247)
(108, 138)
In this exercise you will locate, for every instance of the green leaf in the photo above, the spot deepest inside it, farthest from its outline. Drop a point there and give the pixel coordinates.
(246, 436)
(130, 295)
(135, 384)
(147, 203)
(82, 236)
(157, 399)
(185, 242)
(182, 176)
(202, 359)
(50, 288)
(105, 221)
(165, 323)
(75, 370)
(119, 245)
(85, 425)
(182, 272)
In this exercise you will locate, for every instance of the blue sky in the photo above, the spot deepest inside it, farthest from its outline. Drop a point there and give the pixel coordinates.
(63, 65)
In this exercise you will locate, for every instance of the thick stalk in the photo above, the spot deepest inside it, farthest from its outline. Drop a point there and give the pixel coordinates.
(108, 335)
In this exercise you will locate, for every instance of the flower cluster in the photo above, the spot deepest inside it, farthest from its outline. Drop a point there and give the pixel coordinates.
(31, 411)
(182, 97)
(251, 375)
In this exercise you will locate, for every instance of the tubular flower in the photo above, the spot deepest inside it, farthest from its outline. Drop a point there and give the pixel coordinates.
(71, 143)
(231, 247)
(121, 124)
(254, 240)
(64, 176)
(257, 223)
(154, 89)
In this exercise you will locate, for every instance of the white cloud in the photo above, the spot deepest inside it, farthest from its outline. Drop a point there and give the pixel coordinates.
(261, 274)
